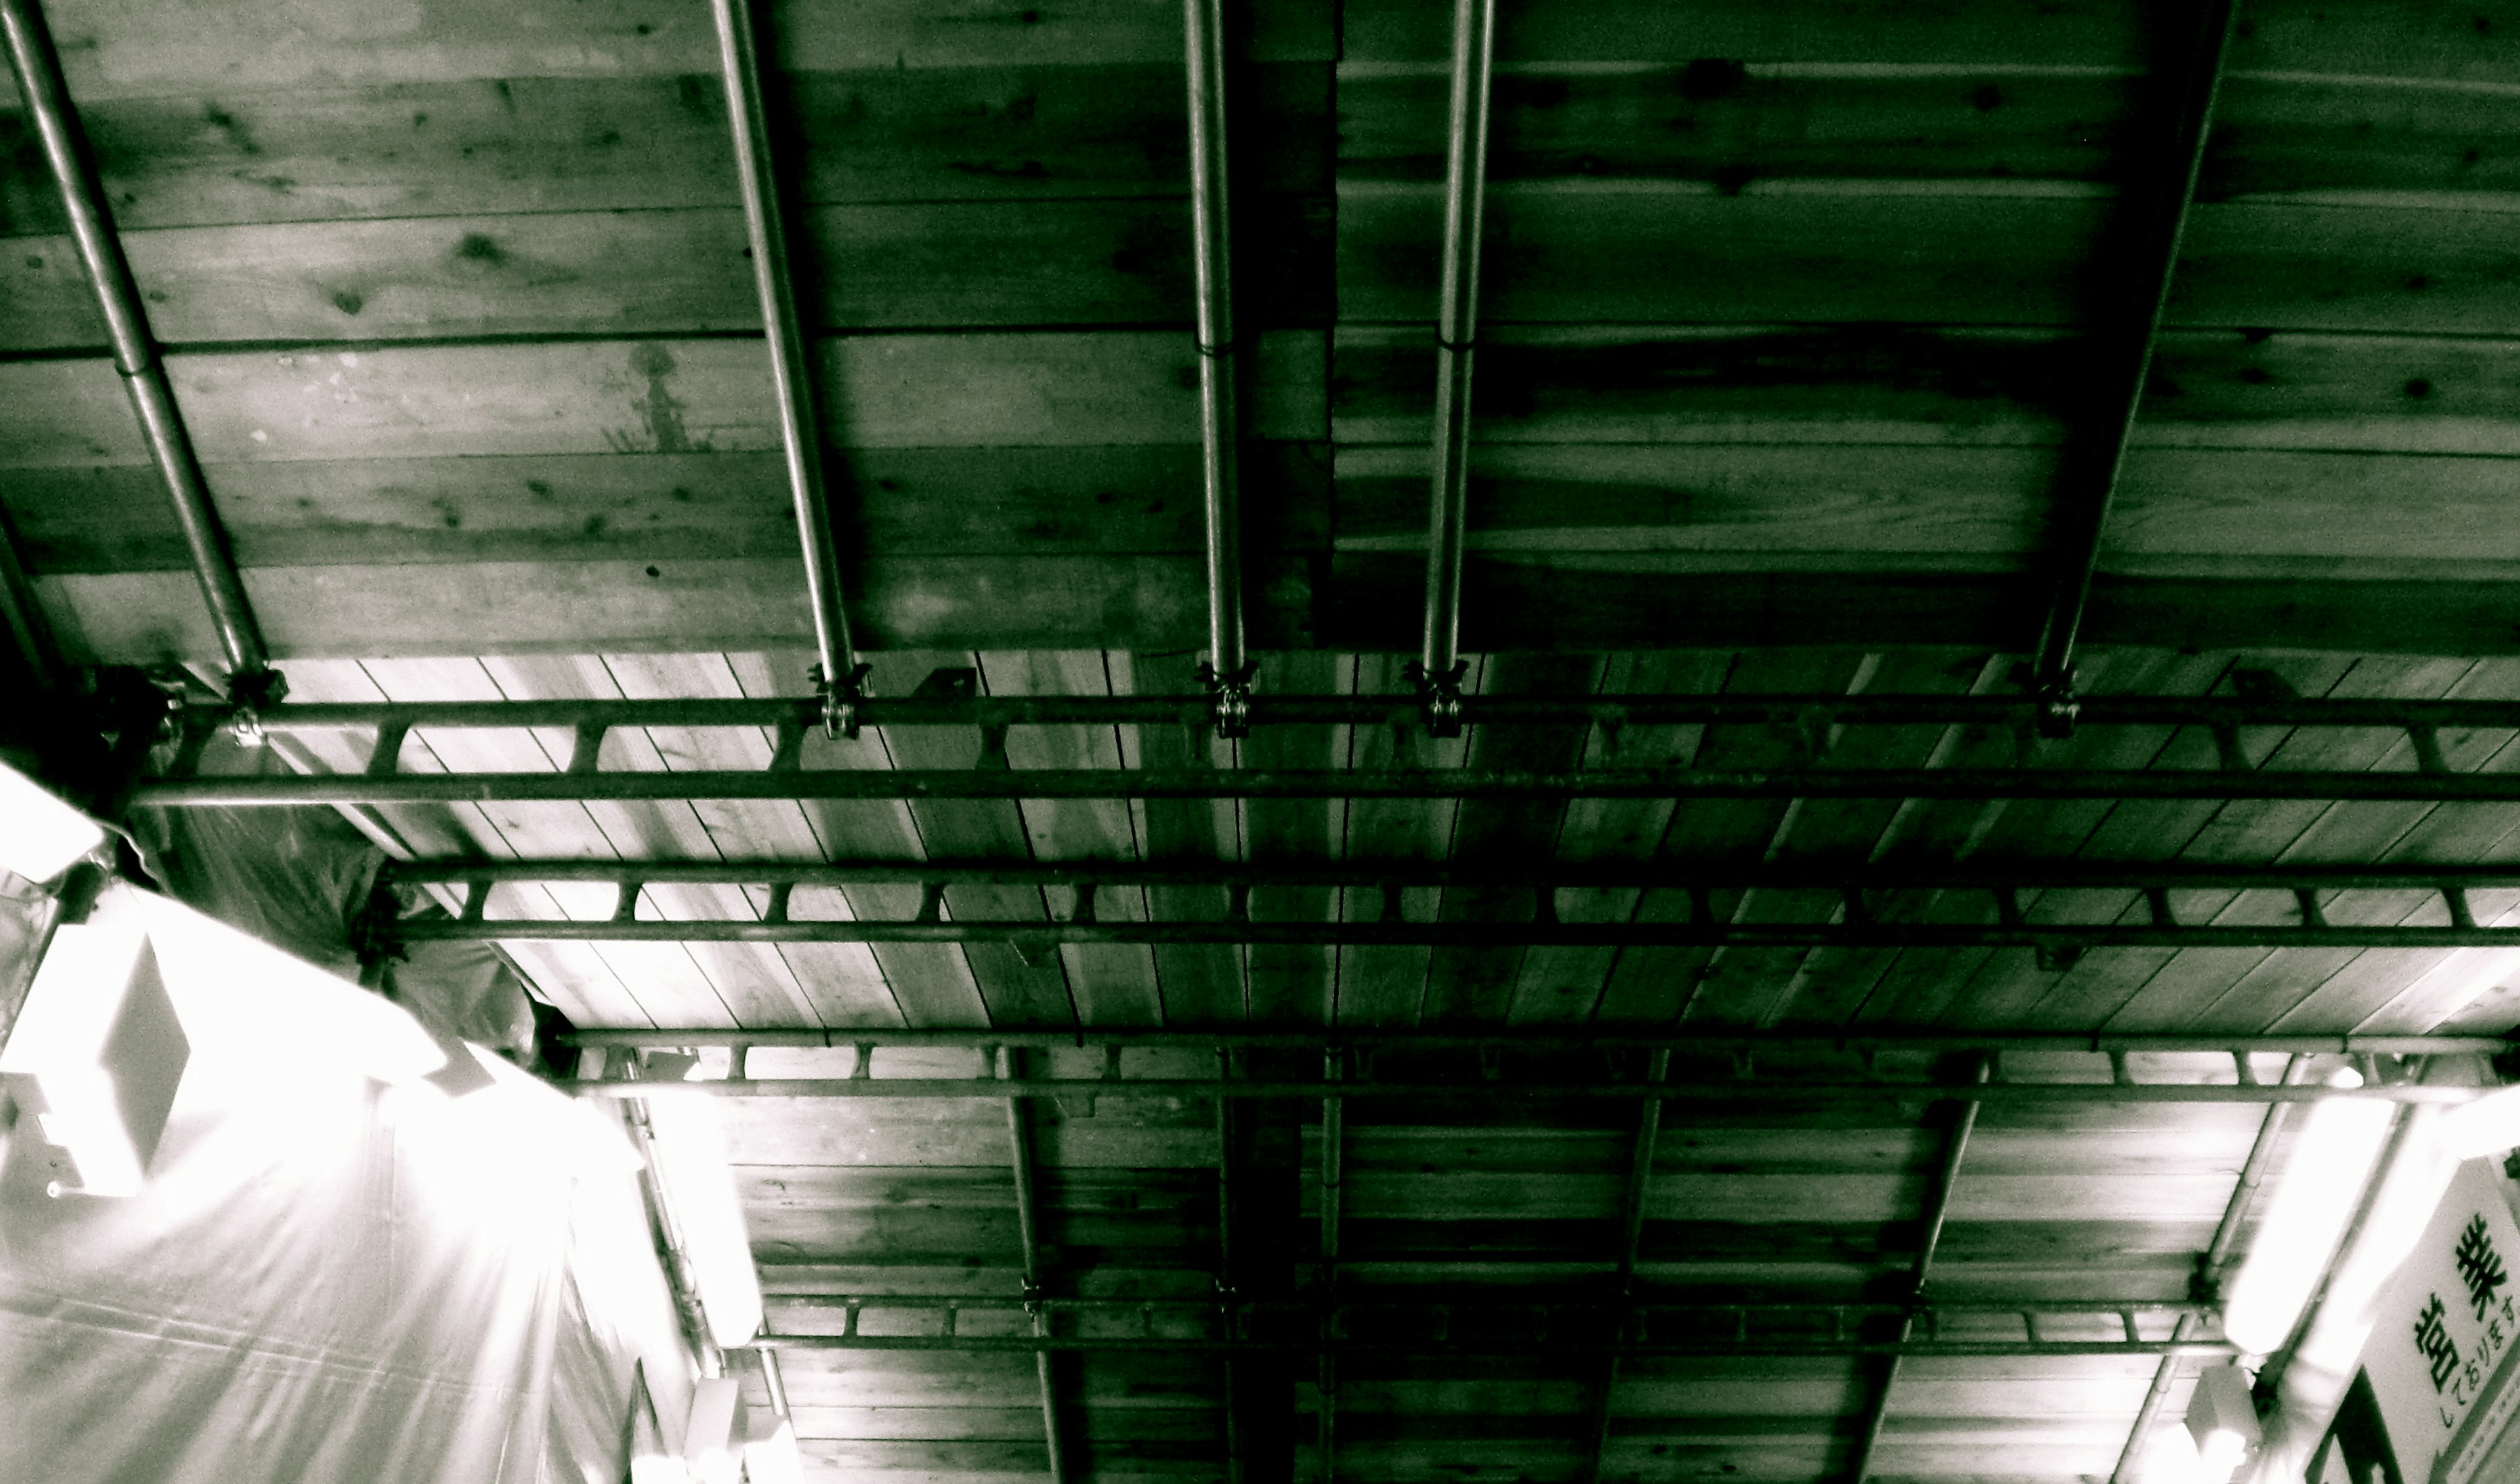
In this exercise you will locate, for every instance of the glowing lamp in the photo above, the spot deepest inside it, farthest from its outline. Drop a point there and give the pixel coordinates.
(2487, 1126)
(711, 1446)
(40, 835)
(775, 1460)
(95, 1058)
(2321, 1182)
(2223, 1422)
(687, 1141)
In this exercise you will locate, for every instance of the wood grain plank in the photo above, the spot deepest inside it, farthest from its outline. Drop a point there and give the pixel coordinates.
(535, 144)
(115, 50)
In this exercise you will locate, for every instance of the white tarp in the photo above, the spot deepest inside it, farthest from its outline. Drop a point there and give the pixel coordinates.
(327, 1277)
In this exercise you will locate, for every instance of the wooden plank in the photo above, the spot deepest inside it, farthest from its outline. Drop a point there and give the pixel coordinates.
(1108, 984)
(1201, 984)
(667, 271)
(536, 144)
(116, 51)
(624, 607)
(1386, 985)
(1046, 390)
(1293, 985)
(1477, 985)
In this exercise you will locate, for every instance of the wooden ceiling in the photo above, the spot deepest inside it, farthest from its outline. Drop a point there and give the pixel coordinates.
(1789, 316)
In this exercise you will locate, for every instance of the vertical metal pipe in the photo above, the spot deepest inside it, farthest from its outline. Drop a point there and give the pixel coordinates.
(1334, 1138)
(2089, 483)
(1220, 441)
(38, 69)
(1229, 1292)
(1029, 1230)
(1938, 1208)
(1456, 335)
(774, 1380)
(791, 371)
(1632, 1211)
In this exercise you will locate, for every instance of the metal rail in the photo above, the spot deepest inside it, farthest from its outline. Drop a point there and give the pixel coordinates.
(2088, 484)
(1813, 716)
(838, 676)
(2196, 784)
(1474, 1087)
(1229, 1293)
(1738, 1046)
(1546, 1352)
(1850, 906)
(253, 685)
(2209, 1277)
(1439, 666)
(1632, 1231)
(1334, 1150)
(1938, 1210)
(1228, 671)
(1028, 1228)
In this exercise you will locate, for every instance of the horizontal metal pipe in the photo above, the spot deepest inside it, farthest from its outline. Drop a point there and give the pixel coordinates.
(1679, 875)
(1868, 933)
(1495, 1301)
(1718, 1044)
(1021, 1343)
(1994, 710)
(2202, 784)
(1728, 1090)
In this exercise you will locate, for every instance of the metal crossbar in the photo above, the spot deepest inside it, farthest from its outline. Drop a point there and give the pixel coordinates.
(1807, 906)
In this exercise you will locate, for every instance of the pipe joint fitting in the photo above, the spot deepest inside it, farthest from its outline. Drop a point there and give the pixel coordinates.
(840, 700)
(1229, 698)
(1441, 696)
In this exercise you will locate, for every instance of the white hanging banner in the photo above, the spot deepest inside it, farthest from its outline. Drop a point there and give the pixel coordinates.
(2445, 1331)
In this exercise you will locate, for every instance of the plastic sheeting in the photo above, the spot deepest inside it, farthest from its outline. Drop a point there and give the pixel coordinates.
(327, 1277)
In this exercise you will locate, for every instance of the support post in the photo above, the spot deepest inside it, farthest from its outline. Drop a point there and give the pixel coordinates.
(1439, 668)
(2090, 477)
(1029, 1230)
(838, 676)
(252, 684)
(1228, 673)
(1631, 1215)
(1938, 1208)
(2208, 1284)
(1334, 1140)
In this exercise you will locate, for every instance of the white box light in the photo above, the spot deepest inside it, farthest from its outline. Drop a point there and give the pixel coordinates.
(40, 835)
(95, 1060)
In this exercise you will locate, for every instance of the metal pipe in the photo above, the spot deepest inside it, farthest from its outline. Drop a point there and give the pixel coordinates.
(2198, 784)
(1632, 1217)
(252, 684)
(1028, 1228)
(1229, 1293)
(1805, 713)
(838, 676)
(1480, 1089)
(2089, 484)
(1640, 1350)
(1228, 671)
(1716, 1043)
(1333, 1151)
(1455, 339)
(1861, 932)
(1938, 1208)
(2227, 1234)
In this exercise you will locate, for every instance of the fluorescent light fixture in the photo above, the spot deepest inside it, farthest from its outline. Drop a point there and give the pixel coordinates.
(775, 1460)
(712, 1445)
(2222, 1420)
(40, 835)
(2322, 1180)
(97, 1056)
(2487, 1126)
(686, 1140)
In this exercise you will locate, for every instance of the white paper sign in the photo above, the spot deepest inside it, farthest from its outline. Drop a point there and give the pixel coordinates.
(2452, 1314)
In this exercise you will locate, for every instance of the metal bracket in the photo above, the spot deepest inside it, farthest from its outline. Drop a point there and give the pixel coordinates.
(2059, 705)
(250, 693)
(1229, 698)
(1440, 696)
(840, 700)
